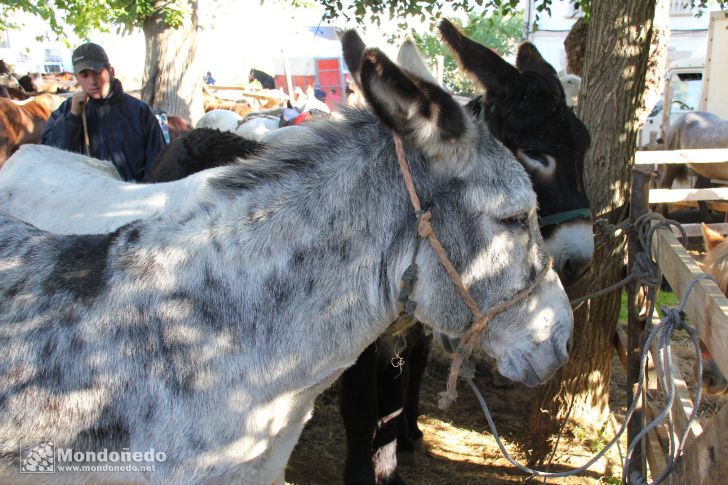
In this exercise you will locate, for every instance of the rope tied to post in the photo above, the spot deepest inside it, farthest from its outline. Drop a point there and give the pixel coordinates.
(674, 320)
(646, 273)
(645, 269)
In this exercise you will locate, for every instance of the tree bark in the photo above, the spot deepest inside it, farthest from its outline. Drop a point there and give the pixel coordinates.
(172, 82)
(611, 105)
(574, 45)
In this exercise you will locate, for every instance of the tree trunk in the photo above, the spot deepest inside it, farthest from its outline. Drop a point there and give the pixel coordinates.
(612, 92)
(172, 82)
(574, 45)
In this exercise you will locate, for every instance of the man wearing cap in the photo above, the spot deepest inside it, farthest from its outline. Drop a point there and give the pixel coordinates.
(103, 121)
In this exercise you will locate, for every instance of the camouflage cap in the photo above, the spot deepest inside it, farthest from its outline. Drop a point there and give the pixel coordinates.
(89, 56)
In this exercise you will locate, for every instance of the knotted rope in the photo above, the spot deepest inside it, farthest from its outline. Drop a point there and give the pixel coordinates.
(674, 320)
(646, 272)
(480, 319)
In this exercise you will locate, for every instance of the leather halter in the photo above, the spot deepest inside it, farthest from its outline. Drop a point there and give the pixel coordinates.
(565, 216)
(479, 320)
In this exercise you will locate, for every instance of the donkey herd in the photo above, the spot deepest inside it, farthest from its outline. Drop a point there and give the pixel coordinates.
(201, 312)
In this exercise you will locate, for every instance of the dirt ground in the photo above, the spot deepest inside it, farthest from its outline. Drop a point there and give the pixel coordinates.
(459, 449)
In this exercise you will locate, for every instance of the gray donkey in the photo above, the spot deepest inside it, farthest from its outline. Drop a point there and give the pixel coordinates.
(201, 338)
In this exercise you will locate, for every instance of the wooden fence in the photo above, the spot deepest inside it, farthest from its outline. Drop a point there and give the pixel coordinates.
(258, 99)
(705, 460)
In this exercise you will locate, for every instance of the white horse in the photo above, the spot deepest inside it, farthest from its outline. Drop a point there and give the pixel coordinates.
(207, 334)
(571, 84)
(257, 127)
(68, 193)
(221, 119)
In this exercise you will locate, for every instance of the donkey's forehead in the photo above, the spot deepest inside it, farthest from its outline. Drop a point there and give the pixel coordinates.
(543, 83)
(536, 112)
(497, 182)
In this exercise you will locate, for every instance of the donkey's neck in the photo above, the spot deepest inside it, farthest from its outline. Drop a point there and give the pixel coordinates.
(311, 254)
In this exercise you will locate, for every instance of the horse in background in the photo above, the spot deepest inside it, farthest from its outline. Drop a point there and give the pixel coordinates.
(178, 125)
(212, 102)
(266, 80)
(31, 83)
(23, 122)
(220, 119)
(694, 130)
(198, 150)
(34, 84)
(51, 188)
(716, 265)
(59, 82)
(17, 94)
(571, 84)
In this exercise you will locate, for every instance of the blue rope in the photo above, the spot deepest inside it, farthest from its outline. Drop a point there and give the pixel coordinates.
(647, 273)
(674, 320)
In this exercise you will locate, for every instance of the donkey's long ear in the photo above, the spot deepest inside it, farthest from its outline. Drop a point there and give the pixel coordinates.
(410, 59)
(416, 109)
(488, 68)
(530, 58)
(353, 48)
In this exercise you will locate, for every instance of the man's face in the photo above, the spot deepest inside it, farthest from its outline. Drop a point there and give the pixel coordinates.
(96, 84)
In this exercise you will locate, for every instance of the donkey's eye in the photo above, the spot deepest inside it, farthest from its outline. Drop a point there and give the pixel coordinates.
(537, 156)
(536, 160)
(516, 220)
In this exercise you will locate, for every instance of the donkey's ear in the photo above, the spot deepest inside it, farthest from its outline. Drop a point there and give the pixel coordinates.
(488, 68)
(353, 48)
(711, 238)
(416, 109)
(410, 59)
(530, 58)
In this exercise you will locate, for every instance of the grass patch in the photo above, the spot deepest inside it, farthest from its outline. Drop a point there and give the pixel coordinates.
(664, 298)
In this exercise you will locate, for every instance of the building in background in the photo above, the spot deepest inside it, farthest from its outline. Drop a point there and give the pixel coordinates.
(314, 59)
(688, 36)
(25, 53)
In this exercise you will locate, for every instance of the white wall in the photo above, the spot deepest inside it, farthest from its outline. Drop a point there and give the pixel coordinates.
(25, 53)
(688, 33)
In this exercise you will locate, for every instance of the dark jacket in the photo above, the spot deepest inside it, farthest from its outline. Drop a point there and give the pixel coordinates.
(121, 129)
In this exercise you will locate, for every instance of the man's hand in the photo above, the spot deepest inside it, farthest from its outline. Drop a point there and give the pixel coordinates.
(78, 103)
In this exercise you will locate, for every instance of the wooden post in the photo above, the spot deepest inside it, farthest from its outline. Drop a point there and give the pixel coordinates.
(706, 460)
(636, 323)
(666, 105)
(289, 80)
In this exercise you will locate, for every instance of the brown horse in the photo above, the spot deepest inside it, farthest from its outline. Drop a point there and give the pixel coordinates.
(716, 265)
(211, 102)
(23, 122)
(17, 94)
(177, 125)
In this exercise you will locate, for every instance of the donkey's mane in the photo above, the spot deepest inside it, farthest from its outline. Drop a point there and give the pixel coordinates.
(326, 139)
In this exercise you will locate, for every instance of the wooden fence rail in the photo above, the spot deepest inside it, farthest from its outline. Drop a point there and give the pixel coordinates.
(706, 454)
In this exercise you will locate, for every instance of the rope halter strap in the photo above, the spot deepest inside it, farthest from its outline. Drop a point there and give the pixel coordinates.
(480, 320)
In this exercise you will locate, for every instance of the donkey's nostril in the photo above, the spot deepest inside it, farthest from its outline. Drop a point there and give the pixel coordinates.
(572, 269)
(561, 348)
